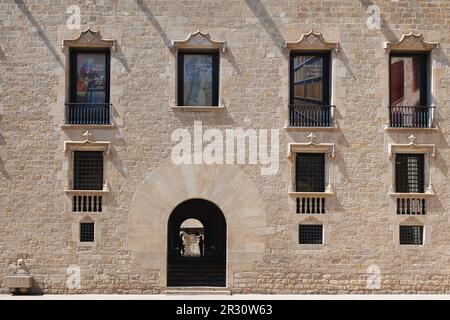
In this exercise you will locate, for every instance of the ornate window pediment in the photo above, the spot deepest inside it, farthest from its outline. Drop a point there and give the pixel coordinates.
(90, 39)
(411, 147)
(411, 42)
(87, 145)
(312, 41)
(199, 40)
(311, 146)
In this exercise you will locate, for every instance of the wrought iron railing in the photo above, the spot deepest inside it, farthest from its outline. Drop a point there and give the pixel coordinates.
(411, 116)
(88, 113)
(311, 116)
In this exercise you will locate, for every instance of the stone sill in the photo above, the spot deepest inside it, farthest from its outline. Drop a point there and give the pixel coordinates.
(412, 195)
(87, 126)
(199, 108)
(87, 192)
(311, 194)
(410, 129)
(309, 129)
(302, 248)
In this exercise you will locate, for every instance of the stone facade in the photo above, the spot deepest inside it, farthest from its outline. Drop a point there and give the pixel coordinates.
(144, 186)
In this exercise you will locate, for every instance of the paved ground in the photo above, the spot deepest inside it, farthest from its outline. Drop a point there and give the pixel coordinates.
(222, 297)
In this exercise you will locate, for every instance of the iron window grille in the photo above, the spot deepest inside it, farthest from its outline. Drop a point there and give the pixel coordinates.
(310, 172)
(310, 234)
(88, 170)
(87, 232)
(409, 173)
(411, 235)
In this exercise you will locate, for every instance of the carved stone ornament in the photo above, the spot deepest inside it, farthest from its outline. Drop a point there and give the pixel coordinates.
(412, 146)
(411, 42)
(312, 41)
(311, 146)
(90, 39)
(87, 144)
(199, 40)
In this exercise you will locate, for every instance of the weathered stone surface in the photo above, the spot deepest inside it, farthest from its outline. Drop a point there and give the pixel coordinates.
(129, 255)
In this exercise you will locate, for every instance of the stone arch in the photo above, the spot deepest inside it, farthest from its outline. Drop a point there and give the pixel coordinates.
(226, 186)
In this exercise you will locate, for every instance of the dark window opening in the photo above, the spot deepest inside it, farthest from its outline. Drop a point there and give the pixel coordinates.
(310, 73)
(88, 170)
(411, 235)
(310, 234)
(89, 87)
(310, 172)
(408, 79)
(87, 232)
(409, 173)
(198, 78)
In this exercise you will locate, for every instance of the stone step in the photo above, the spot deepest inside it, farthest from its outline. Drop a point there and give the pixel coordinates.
(197, 291)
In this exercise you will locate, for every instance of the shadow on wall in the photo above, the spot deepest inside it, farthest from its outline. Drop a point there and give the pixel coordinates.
(38, 29)
(2, 55)
(389, 35)
(154, 22)
(266, 21)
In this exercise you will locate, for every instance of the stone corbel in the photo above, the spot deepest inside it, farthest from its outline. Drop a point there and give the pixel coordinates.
(313, 41)
(87, 145)
(199, 40)
(411, 42)
(90, 39)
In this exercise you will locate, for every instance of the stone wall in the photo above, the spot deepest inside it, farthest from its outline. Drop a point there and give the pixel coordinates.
(361, 227)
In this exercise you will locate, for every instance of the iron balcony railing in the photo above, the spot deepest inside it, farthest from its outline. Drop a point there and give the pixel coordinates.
(88, 113)
(411, 116)
(311, 116)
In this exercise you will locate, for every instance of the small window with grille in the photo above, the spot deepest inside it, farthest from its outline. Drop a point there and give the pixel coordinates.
(409, 173)
(310, 172)
(87, 232)
(88, 170)
(411, 235)
(310, 234)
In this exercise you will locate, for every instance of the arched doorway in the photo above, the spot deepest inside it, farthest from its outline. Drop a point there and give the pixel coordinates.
(196, 239)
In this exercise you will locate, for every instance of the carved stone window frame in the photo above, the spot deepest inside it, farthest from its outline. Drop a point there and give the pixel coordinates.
(86, 145)
(199, 41)
(428, 150)
(315, 42)
(89, 38)
(312, 147)
(76, 226)
(412, 43)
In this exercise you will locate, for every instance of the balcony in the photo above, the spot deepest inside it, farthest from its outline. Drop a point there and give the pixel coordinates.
(88, 114)
(411, 116)
(86, 200)
(320, 116)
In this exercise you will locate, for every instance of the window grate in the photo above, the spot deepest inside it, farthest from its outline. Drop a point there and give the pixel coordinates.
(310, 172)
(411, 235)
(87, 232)
(310, 234)
(88, 170)
(409, 173)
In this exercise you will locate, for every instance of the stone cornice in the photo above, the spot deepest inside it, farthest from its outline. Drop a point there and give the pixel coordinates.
(312, 41)
(411, 42)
